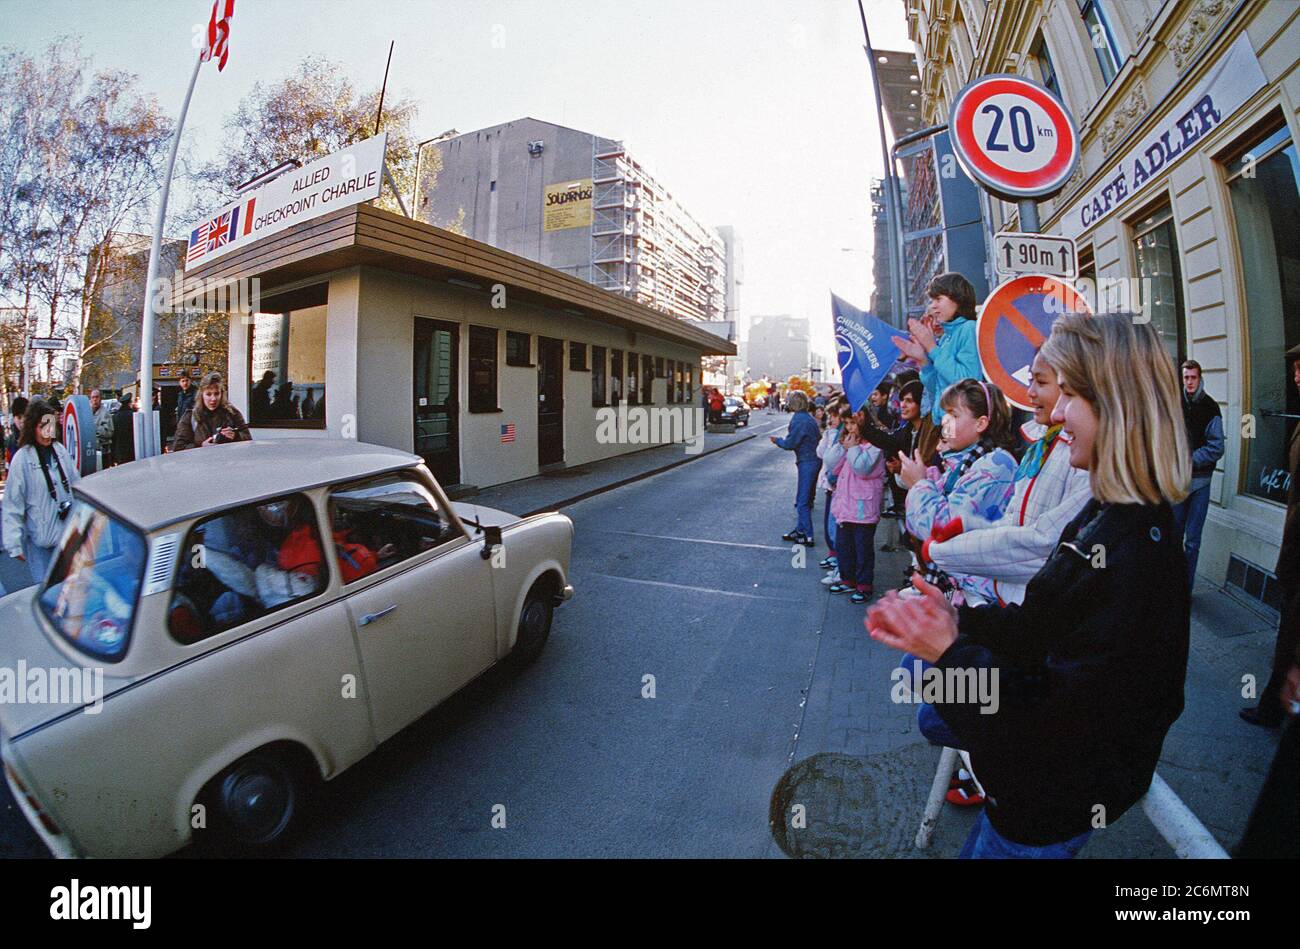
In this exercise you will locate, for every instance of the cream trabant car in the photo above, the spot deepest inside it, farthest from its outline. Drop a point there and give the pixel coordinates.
(222, 627)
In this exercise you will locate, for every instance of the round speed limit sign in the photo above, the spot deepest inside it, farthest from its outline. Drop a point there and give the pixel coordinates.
(1014, 137)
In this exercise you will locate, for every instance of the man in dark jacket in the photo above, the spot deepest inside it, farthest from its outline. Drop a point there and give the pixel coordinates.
(1269, 711)
(184, 399)
(124, 430)
(1205, 437)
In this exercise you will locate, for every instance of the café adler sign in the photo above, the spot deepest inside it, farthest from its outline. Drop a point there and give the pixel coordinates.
(1232, 82)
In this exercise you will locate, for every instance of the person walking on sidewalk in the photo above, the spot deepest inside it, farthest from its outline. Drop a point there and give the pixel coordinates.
(124, 430)
(801, 438)
(1205, 435)
(103, 417)
(38, 494)
(184, 402)
(1091, 666)
(1269, 711)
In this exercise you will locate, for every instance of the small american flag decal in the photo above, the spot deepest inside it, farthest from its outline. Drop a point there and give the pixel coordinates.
(507, 434)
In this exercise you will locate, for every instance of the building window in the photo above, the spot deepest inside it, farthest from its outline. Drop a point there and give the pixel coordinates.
(482, 369)
(598, 375)
(1262, 186)
(286, 366)
(671, 387)
(616, 376)
(690, 384)
(519, 347)
(680, 381)
(1101, 38)
(1160, 288)
(577, 356)
(633, 366)
(647, 380)
(220, 590)
(1046, 71)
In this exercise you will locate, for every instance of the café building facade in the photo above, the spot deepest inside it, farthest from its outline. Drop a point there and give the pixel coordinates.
(492, 367)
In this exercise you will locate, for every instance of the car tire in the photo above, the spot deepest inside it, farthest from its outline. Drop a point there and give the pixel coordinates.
(534, 627)
(254, 806)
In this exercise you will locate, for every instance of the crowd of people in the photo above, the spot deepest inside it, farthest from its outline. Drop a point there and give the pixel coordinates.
(1059, 558)
(38, 488)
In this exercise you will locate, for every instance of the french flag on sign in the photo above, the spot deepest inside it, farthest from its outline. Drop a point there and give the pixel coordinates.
(507, 434)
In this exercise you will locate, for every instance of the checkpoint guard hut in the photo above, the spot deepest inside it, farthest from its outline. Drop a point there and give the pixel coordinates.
(490, 366)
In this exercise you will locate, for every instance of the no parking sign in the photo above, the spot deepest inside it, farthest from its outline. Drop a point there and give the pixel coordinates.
(1014, 137)
(1016, 320)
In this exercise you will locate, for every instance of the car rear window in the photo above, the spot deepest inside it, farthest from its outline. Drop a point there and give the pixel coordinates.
(90, 595)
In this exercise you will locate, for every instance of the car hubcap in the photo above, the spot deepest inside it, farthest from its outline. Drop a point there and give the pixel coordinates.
(258, 801)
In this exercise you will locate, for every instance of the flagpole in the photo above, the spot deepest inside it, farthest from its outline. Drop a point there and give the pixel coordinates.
(148, 444)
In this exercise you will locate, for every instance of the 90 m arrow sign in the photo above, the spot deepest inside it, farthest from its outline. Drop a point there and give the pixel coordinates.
(1017, 253)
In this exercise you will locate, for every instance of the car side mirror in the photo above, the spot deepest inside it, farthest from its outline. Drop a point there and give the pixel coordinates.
(491, 539)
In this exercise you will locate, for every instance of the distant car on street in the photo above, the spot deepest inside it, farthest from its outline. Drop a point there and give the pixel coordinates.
(227, 627)
(735, 410)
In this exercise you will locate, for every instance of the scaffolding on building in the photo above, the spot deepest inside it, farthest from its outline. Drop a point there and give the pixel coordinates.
(645, 246)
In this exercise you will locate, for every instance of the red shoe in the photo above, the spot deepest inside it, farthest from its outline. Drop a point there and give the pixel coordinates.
(960, 797)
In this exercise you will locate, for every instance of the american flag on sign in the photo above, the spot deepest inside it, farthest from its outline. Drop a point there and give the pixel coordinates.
(211, 234)
(507, 434)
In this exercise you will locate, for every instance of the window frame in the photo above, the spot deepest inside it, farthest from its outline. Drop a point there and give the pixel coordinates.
(1047, 74)
(326, 548)
(633, 369)
(579, 350)
(615, 377)
(1097, 8)
(1163, 210)
(599, 377)
(482, 405)
(524, 361)
(647, 379)
(286, 304)
(413, 476)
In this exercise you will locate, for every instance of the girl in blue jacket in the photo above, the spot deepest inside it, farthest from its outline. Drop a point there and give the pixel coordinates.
(954, 355)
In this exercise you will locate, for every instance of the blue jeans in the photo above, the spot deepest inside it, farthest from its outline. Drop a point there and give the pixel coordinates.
(804, 493)
(931, 725)
(857, 554)
(985, 843)
(829, 527)
(1190, 518)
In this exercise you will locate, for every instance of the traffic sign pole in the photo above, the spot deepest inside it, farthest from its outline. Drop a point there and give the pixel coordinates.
(1029, 216)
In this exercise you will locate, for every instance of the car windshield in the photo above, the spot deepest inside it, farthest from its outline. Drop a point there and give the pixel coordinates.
(91, 592)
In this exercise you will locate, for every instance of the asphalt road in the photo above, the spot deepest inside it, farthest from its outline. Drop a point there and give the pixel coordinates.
(682, 577)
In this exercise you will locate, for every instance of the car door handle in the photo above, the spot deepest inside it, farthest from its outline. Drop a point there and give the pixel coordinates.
(369, 618)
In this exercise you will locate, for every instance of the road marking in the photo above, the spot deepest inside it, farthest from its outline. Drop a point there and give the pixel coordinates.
(693, 540)
(679, 586)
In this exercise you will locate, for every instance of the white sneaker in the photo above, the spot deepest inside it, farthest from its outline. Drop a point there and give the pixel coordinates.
(832, 577)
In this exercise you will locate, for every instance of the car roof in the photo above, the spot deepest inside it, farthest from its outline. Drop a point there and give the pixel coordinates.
(164, 489)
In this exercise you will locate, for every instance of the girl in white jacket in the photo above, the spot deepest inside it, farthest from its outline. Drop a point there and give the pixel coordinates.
(1048, 494)
(38, 492)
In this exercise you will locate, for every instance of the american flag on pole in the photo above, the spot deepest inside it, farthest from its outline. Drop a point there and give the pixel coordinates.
(507, 434)
(218, 47)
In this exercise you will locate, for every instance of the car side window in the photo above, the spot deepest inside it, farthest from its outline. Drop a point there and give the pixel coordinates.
(384, 521)
(245, 563)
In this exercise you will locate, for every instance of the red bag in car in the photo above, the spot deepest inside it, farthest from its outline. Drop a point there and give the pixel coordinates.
(355, 560)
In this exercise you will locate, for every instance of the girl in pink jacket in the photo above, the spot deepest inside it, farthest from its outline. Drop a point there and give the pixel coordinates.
(859, 471)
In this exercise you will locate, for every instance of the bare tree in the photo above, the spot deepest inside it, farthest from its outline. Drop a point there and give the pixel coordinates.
(305, 116)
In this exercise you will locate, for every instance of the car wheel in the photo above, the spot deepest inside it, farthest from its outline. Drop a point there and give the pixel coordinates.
(534, 627)
(254, 804)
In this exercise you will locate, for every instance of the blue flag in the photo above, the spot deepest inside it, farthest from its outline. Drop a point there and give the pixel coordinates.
(864, 350)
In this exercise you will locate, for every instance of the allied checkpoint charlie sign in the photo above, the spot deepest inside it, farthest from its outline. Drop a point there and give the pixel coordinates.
(343, 178)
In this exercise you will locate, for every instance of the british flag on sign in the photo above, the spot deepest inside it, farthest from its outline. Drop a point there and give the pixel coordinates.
(212, 234)
(507, 434)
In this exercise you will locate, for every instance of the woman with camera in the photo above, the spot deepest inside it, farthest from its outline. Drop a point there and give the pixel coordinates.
(39, 492)
(213, 420)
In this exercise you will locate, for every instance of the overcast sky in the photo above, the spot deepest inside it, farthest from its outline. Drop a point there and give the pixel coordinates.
(754, 113)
